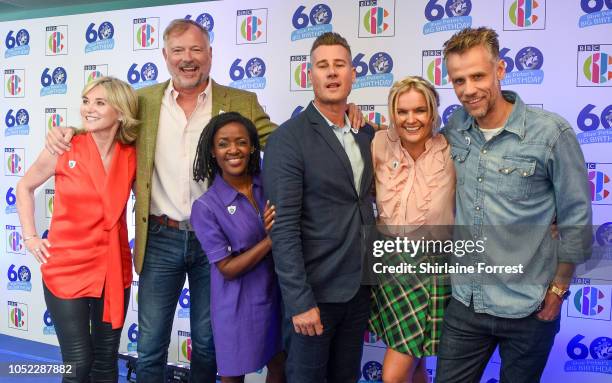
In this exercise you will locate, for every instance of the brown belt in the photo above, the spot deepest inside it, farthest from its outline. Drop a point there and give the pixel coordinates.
(169, 222)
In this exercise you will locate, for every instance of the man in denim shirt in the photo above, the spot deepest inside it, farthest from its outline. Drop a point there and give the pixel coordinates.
(518, 170)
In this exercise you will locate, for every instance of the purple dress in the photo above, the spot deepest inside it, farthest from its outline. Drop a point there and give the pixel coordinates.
(245, 312)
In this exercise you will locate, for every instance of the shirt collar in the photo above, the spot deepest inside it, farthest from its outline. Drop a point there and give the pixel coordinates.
(226, 192)
(516, 121)
(347, 123)
(173, 93)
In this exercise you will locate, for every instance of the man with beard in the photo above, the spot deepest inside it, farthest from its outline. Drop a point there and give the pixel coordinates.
(519, 170)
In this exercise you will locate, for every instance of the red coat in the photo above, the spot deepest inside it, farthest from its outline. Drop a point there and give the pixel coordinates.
(90, 253)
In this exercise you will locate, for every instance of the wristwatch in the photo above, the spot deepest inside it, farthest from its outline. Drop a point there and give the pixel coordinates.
(561, 293)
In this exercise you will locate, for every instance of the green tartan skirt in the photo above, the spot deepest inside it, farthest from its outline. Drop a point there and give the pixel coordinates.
(407, 312)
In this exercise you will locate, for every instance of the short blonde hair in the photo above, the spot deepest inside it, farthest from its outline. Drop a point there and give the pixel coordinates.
(471, 37)
(432, 99)
(179, 26)
(123, 98)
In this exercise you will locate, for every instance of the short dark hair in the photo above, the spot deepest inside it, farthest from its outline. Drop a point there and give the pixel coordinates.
(205, 167)
(471, 37)
(331, 38)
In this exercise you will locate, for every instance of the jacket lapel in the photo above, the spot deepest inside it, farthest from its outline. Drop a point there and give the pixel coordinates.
(220, 99)
(320, 126)
(364, 146)
(152, 119)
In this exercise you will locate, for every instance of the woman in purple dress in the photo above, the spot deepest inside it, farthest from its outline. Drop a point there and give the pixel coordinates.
(232, 221)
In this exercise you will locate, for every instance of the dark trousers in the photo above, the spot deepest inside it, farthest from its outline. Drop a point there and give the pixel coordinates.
(93, 353)
(468, 340)
(334, 356)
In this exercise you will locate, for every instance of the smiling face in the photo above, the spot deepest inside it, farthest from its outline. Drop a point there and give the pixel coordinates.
(332, 74)
(232, 149)
(476, 77)
(412, 120)
(97, 114)
(188, 57)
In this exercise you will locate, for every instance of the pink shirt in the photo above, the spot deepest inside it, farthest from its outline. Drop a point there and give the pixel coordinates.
(412, 192)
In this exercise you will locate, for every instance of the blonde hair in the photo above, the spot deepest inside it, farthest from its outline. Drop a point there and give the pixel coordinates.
(123, 98)
(432, 99)
(471, 37)
(179, 26)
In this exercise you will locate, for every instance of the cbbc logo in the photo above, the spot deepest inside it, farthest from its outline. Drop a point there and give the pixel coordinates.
(370, 337)
(521, 15)
(17, 315)
(594, 66)
(184, 346)
(14, 162)
(19, 278)
(371, 372)
(49, 328)
(434, 68)
(14, 83)
(17, 123)
(379, 67)
(146, 76)
(599, 181)
(10, 199)
(184, 303)
(92, 72)
(207, 22)
(528, 63)
(597, 12)
(599, 350)
(55, 117)
(254, 70)
(54, 83)
(592, 302)
(376, 114)
(589, 121)
(17, 44)
(376, 18)
(313, 24)
(299, 66)
(132, 334)
(457, 14)
(251, 26)
(56, 40)
(101, 38)
(146, 33)
(14, 240)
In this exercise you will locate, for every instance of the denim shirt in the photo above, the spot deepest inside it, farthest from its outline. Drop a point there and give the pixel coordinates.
(509, 191)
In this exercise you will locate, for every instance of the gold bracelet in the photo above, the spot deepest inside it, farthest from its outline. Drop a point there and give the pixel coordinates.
(25, 239)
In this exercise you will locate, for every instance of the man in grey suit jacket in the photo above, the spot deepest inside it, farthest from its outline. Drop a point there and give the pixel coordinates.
(318, 174)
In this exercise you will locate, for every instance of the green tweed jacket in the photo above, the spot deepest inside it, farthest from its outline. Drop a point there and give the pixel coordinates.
(224, 99)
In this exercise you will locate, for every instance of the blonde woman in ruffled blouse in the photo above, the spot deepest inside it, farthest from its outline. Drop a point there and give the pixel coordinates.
(415, 186)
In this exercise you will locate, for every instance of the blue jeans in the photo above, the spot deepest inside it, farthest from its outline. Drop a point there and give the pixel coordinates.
(334, 356)
(469, 339)
(170, 255)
